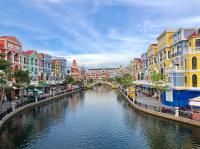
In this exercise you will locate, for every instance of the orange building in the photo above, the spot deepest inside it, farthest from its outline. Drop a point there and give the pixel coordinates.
(75, 71)
(56, 69)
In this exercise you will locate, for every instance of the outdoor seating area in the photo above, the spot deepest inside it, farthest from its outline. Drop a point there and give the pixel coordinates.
(33, 95)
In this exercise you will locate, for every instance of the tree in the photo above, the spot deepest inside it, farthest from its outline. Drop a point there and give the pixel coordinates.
(159, 83)
(69, 80)
(125, 80)
(22, 78)
(90, 80)
(5, 75)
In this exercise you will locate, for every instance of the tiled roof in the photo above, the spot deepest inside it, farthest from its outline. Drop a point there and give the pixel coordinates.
(29, 52)
(195, 34)
(12, 38)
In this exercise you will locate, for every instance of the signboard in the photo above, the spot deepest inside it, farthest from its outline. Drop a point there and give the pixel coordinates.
(169, 95)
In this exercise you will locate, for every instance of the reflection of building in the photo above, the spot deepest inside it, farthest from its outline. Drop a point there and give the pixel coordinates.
(11, 50)
(75, 71)
(32, 63)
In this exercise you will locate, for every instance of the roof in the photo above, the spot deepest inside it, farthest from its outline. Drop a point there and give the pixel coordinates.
(195, 34)
(12, 38)
(166, 31)
(29, 52)
(102, 69)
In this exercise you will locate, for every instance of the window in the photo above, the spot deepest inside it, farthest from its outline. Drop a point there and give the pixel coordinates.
(194, 62)
(36, 62)
(185, 64)
(197, 43)
(32, 61)
(194, 80)
(185, 80)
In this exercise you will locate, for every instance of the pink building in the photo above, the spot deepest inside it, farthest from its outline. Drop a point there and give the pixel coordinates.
(11, 49)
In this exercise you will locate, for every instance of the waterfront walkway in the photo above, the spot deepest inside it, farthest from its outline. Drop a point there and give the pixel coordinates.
(141, 98)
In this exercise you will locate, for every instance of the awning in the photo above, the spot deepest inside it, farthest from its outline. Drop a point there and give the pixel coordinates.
(193, 103)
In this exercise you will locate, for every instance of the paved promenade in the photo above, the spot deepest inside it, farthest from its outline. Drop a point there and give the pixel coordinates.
(146, 100)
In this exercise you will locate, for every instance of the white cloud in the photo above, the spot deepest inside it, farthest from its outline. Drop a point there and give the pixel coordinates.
(101, 60)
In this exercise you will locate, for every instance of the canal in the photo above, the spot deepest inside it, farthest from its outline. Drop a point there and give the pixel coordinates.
(100, 118)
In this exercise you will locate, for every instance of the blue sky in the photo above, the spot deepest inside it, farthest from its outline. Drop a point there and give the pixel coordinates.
(98, 33)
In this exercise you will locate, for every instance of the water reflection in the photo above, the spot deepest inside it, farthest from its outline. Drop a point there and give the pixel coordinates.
(98, 118)
(161, 133)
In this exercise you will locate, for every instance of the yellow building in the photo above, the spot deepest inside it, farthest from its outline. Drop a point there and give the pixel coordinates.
(56, 69)
(163, 45)
(192, 61)
(151, 59)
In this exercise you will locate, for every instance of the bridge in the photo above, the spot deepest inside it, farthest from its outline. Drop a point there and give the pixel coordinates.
(102, 82)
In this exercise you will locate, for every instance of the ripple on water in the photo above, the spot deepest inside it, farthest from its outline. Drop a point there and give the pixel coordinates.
(99, 119)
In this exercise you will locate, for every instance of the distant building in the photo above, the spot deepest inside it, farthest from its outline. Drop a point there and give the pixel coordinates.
(56, 69)
(101, 73)
(75, 73)
(32, 64)
(45, 67)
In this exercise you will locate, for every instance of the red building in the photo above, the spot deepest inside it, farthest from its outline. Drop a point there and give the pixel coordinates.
(75, 71)
(11, 49)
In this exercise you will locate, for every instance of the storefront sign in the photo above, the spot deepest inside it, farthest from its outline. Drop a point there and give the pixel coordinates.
(169, 96)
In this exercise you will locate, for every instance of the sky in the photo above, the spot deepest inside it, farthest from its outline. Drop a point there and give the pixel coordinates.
(97, 33)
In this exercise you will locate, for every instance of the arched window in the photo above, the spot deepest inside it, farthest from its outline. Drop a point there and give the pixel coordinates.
(161, 70)
(185, 80)
(32, 61)
(194, 80)
(36, 62)
(194, 62)
(138, 76)
(185, 64)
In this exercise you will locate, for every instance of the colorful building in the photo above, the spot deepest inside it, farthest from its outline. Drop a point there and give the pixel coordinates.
(144, 63)
(137, 65)
(11, 50)
(32, 64)
(75, 71)
(163, 50)
(45, 67)
(63, 68)
(151, 60)
(56, 69)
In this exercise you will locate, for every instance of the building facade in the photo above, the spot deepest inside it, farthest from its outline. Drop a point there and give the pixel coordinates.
(75, 73)
(56, 70)
(32, 65)
(11, 50)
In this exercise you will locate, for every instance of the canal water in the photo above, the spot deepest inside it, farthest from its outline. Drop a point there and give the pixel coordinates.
(94, 119)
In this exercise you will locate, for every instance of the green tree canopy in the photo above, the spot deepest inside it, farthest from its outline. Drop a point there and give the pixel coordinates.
(69, 80)
(159, 83)
(125, 80)
(22, 77)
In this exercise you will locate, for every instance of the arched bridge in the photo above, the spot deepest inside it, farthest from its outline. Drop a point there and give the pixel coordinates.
(102, 82)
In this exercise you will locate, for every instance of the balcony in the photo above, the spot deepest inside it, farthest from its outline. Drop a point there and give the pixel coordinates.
(192, 50)
(175, 69)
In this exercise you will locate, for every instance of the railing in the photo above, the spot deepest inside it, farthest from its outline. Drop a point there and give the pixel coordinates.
(182, 113)
(6, 107)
